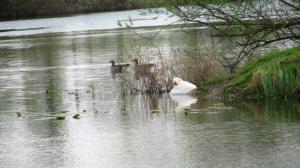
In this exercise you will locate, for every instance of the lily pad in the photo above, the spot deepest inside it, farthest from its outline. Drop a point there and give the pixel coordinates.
(76, 116)
(18, 114)
(61, 117)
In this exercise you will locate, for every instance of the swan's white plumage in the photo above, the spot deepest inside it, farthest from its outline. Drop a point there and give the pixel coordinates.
(182, 87)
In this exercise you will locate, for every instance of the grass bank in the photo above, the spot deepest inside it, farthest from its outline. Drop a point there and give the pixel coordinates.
(275, 75)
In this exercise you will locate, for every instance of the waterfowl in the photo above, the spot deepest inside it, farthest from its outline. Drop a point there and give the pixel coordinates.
(182, 87)
(118, 68)
(142, 67)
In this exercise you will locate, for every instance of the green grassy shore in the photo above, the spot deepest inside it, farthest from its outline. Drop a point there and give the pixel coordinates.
(276, 75)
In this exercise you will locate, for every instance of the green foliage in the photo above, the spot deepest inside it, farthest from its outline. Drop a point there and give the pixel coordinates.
(220, 78)
(76, 116)
(60, 117)
(18, 114)
(277, 74)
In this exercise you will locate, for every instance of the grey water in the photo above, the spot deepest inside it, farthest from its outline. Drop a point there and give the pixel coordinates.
(63, 67)
(87, 22)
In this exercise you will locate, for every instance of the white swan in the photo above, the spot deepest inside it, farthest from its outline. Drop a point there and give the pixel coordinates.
(182, 87)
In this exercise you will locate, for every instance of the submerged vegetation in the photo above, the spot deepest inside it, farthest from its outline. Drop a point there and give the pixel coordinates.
(275, 75)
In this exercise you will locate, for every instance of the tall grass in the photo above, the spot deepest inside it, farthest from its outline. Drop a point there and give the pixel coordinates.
(154, 81)
(275, 80)
(275, 75)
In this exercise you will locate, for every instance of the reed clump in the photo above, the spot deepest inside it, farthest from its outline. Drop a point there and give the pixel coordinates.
(154, 79)
(275, 75)
(194, 65)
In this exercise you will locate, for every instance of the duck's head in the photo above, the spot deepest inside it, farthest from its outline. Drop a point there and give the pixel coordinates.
(136, 61)
(112, 62)
(176, 80)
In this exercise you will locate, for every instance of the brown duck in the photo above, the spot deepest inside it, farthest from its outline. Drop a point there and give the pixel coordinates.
(118, 68)
(142, 68)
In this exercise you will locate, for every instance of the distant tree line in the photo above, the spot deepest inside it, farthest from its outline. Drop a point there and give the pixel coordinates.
(12, 9)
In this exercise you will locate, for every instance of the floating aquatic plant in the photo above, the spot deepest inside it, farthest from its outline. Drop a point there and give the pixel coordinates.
(76, 116)
(18, 114)
(61, 117)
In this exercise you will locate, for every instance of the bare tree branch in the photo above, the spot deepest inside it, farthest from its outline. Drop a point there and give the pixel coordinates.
(253, 24)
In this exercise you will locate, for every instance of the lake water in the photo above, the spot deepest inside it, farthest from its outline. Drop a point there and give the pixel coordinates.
(66, 71)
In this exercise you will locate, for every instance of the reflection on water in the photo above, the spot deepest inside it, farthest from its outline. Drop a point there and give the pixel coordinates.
(85, 22)
(183, 101)
(40, 76)
(269, 111)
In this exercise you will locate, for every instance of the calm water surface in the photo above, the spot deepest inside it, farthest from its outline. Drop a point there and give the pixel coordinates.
(43, 75)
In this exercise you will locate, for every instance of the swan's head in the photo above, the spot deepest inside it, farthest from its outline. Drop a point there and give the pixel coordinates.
(176, 80)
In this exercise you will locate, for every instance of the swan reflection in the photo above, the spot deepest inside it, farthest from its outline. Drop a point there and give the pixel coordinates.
(183, 101)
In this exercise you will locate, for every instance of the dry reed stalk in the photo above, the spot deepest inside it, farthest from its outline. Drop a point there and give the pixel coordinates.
(154, 80)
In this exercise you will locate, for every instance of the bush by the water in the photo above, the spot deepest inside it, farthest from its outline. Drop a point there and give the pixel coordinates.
(275, 75)
(198, 66)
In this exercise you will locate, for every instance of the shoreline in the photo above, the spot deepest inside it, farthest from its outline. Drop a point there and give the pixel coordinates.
(46, 9)
(7, 19)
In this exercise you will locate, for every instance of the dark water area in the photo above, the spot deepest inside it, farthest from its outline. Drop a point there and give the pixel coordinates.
(42, 76)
